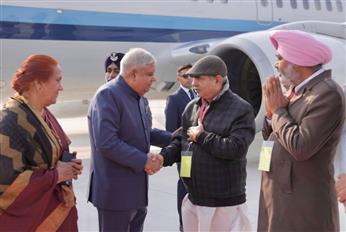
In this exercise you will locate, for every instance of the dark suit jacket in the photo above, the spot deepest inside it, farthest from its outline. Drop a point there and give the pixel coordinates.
(174, 109)
(120, 136)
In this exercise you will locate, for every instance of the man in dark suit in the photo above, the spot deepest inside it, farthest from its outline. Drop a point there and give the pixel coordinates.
(120, 157)
(175, 106)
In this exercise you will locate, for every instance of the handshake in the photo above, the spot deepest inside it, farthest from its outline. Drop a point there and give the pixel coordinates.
(154, 163)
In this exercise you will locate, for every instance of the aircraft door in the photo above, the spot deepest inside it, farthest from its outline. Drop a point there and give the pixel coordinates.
(264, 10)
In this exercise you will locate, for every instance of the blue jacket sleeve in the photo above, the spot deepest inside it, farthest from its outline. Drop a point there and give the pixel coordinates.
(159, 137)
(104, 125)
(172, 115)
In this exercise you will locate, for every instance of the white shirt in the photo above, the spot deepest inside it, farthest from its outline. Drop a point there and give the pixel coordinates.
(187, 91)
(300, 86)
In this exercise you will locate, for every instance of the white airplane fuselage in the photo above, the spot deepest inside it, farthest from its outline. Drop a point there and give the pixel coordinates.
(80, 35)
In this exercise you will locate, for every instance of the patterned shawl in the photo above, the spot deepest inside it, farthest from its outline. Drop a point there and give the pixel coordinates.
(30, 199)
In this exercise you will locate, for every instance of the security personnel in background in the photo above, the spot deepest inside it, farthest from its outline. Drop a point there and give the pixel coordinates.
(112, 65)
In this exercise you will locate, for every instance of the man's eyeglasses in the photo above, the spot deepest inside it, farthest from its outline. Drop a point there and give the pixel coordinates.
(183, 75)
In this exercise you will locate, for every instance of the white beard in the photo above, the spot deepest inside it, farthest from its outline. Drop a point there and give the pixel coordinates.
(289, 74)
(288, 77)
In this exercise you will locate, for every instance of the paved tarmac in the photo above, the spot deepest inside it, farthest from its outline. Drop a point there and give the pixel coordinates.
(162, 213)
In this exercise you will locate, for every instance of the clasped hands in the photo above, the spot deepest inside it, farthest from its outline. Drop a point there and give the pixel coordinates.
(273, 96)
(69, 170)
(154, 163)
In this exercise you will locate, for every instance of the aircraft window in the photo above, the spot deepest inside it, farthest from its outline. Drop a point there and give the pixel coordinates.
(329, 5)
(264, 2)
(339, 5)
(279, 3)
(306, 4)
(294, 4)
(318, 4)
(224, 1)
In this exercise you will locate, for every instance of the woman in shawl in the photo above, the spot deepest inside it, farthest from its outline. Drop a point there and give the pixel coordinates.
(35, 188)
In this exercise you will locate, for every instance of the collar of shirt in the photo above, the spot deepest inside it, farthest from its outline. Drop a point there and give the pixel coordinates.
(126, 87)
(186, 90)
(301, 85)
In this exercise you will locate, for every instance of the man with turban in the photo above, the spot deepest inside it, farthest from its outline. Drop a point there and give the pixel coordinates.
(302, 132)
(112, 65)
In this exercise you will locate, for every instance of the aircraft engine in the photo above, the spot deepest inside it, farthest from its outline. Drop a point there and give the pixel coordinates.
(250, 59)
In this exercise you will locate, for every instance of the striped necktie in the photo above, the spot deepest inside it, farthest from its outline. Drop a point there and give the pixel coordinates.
(192, 95)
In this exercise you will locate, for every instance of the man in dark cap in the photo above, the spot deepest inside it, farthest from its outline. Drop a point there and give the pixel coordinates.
(112, 65)
(302, 133)
(217, 129)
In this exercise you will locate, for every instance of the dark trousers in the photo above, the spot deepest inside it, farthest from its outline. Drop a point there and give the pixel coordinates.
(124, 221)
(181, 192)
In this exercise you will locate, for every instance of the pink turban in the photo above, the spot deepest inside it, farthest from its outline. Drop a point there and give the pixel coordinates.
(300, 48)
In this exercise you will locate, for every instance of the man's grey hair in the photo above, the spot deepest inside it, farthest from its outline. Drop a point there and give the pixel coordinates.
(134, 58)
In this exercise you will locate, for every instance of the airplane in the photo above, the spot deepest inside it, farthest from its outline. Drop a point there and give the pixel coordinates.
(80, 34)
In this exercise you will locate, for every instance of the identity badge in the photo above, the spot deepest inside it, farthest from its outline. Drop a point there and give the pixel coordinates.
(185, 168)
(265, 156)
